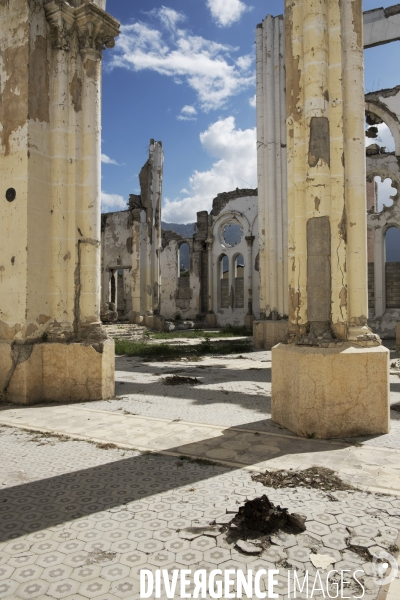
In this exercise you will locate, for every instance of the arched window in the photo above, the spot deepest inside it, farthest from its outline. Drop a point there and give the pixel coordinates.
(392, 267)
(232, 234)
(184, 260)
(224, 281)
(371, 266)
(239, 281)
(378, 135)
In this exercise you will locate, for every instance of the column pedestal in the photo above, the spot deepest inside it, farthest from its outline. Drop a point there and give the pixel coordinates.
(331, 392)
(266, 334)
(43, 372)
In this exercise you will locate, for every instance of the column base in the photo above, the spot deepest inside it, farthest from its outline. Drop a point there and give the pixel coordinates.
(56, 372)
(248, 321)
(331, 392)
(155, 322)
(211, 320)
(267, 334)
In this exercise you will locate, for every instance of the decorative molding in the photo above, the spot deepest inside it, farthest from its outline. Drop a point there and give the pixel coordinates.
(95, 29)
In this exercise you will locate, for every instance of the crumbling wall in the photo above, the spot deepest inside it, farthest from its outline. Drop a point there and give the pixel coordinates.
(383, 106)
(180, 296)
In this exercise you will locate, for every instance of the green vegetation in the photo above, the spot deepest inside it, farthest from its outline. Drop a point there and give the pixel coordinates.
(199, 333)
(171, 352)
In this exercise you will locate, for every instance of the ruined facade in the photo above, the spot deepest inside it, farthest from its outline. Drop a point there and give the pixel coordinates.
(220, 284)
(380, 26)
(384, 277)
(130, 250)
(50, 62)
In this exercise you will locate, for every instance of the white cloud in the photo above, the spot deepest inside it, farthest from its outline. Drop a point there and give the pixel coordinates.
(252, 101)
(187, 114)
(112, 202)
(236, 166)
(384, 138)
(108, 161)
(206, 66)
(226, 12)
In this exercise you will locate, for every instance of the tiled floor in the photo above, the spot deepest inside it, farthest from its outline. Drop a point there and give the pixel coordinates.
(78, 520)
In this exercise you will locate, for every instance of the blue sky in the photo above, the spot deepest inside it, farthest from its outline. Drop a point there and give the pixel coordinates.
(183, 72)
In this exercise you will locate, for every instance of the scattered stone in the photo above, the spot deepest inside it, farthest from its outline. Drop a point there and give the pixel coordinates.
(321, 561)
(248, 547)
(319, 478)
(179, 380)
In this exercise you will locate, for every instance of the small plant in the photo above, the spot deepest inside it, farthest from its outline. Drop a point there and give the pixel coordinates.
(393, 548)
(178, 317)
(45, 337)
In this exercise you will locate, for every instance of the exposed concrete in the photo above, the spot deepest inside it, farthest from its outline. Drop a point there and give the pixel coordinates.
(332, 392)
(381, 26)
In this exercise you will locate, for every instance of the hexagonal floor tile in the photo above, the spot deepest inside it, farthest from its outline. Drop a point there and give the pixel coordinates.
(215, 555)
(32, 589)
(203, 543)
(115, 572)
(335, 541)
(23, 574)
(86, 573)
(150, 546)
(317, 528)
(189, 557)
(56, 573)
(300, 554)
(63, 589)
(94, 587)
(348, 520)
(325, 518)
(50, 559)
(161, 559)
(176, 545)
(126, 588)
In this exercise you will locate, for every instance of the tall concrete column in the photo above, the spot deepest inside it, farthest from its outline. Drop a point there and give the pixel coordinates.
(272, 173)
(314, 389)
(52, 346)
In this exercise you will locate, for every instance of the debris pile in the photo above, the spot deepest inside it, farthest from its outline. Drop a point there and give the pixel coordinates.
(179, 380)
(262, 516)
(317, 478)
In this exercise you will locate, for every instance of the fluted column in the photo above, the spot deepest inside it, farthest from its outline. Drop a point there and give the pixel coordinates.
(271, 166)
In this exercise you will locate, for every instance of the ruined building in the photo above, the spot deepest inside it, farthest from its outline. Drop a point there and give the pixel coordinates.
(381, 26)
(130, 249)
(52, 345)
(219, 284)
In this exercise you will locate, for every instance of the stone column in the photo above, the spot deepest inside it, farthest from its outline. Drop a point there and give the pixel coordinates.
(52, 346)
(211, 317)
(314, 387)
(272, 193)
(249, 318)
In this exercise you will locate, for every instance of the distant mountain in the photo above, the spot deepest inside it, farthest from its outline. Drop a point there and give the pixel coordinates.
(184, 229)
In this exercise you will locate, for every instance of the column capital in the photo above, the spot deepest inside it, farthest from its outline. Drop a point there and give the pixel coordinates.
(250, 239)
(95, 29)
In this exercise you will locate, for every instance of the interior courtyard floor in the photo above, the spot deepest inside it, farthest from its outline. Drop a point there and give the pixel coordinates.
(91, 493)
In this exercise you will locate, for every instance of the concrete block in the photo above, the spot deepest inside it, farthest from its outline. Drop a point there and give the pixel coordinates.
(60, 372)
(331, 392)
(267, 334)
